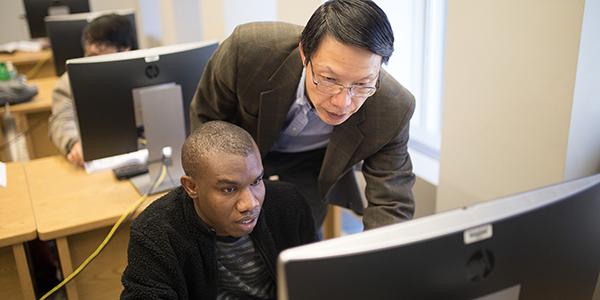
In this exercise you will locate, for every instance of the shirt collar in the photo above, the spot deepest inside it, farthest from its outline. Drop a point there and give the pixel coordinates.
(301, 97)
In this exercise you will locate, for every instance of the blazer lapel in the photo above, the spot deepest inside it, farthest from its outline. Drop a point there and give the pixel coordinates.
(344, 141)
(276, 99)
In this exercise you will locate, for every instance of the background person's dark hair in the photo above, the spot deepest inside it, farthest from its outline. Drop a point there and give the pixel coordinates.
(357, 23)
(111, 29)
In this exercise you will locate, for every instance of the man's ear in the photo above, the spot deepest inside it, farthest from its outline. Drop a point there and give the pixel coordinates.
(189, 186)
(302, 57)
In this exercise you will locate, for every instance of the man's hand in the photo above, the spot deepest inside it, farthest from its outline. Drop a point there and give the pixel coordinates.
(75, 156)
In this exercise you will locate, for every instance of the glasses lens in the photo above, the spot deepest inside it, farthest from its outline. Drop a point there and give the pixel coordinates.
(362, 91)
(329, 87)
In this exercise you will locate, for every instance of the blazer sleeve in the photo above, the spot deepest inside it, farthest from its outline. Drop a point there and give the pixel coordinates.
(389, 179)
(215, 97)
(62, 123)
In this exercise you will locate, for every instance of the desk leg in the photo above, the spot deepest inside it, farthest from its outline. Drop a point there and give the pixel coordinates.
(332, 226)
(64, 255)
(23, 271)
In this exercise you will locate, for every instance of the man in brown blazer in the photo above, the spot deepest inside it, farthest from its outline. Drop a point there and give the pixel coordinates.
(318, 103)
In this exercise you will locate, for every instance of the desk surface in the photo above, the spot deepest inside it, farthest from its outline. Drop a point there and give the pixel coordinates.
(17, 223)
(22, 57)
(67, 201)
(42, 101)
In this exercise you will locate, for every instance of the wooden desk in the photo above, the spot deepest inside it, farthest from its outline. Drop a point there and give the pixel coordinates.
(35, 114)
(78, 210)
(26, 62)
(17, 226)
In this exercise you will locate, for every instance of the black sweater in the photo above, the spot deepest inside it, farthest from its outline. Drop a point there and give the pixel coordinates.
(171, 252)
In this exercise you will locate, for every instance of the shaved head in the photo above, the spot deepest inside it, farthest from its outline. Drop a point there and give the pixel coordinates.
(214, 137)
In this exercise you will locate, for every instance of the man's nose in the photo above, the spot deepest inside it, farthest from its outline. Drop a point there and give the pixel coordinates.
(248, 201)
(342, 99)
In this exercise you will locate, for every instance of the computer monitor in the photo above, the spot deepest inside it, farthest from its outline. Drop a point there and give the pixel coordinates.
(65, 31)
(104, 87)
(37, 10)
(542, 244)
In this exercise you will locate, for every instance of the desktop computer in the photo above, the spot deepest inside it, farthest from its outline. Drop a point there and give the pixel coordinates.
(541, 244)
(142, 95)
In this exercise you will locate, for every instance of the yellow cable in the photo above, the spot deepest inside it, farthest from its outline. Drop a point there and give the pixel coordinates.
(109, 236)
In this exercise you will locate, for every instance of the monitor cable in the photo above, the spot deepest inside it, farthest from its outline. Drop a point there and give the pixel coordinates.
(159, 179)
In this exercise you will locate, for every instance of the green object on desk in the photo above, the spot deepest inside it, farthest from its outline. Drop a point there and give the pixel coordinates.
(4, 74)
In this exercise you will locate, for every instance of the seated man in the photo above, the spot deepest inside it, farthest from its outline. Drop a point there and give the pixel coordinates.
(104, 35)
(219, 234)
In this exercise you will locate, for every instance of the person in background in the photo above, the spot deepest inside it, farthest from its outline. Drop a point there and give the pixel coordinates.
(218, 235)
(318, 103)
(104, 35)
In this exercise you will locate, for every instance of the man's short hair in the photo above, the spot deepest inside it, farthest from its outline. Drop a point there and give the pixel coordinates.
(357, 23)
(111, 29)
(214, 137)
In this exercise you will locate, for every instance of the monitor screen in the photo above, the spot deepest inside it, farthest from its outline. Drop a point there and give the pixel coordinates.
(103, 87)
(37, 10)
(64, 33)
(542, 244)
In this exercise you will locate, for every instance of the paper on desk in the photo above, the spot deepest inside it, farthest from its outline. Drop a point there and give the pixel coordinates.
(108, 163)
(26, 46)
(3, 182)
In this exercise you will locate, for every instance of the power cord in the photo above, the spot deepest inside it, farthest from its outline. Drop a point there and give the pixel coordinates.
(159, 179)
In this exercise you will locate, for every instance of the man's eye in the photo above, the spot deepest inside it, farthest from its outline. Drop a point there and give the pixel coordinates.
(330, 79)
(228, 190)
(257, 181)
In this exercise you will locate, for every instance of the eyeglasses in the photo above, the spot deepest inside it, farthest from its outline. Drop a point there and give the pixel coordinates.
(332, 88)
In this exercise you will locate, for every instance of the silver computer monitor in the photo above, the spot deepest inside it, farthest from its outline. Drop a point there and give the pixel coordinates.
(103, 87)
(107, 88)
(541, 244)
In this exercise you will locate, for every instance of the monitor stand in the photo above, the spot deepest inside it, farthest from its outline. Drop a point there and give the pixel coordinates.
(160, 109)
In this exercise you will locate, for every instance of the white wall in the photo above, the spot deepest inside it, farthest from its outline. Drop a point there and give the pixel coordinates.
(583, 153)
(244, 11)
(14, 24)
(164, 22)
(509, 81)
(219, 17)
(296, 12)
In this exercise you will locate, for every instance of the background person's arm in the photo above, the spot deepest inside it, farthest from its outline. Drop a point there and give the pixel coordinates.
(62, 125)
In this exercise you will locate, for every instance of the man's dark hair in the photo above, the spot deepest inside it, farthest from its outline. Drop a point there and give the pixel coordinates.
(357, 23)
(111, 29)
(214, 137)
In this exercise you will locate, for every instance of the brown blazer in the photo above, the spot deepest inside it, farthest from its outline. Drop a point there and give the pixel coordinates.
(251, 81)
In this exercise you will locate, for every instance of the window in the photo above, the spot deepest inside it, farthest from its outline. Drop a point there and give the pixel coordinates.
(417, 63)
